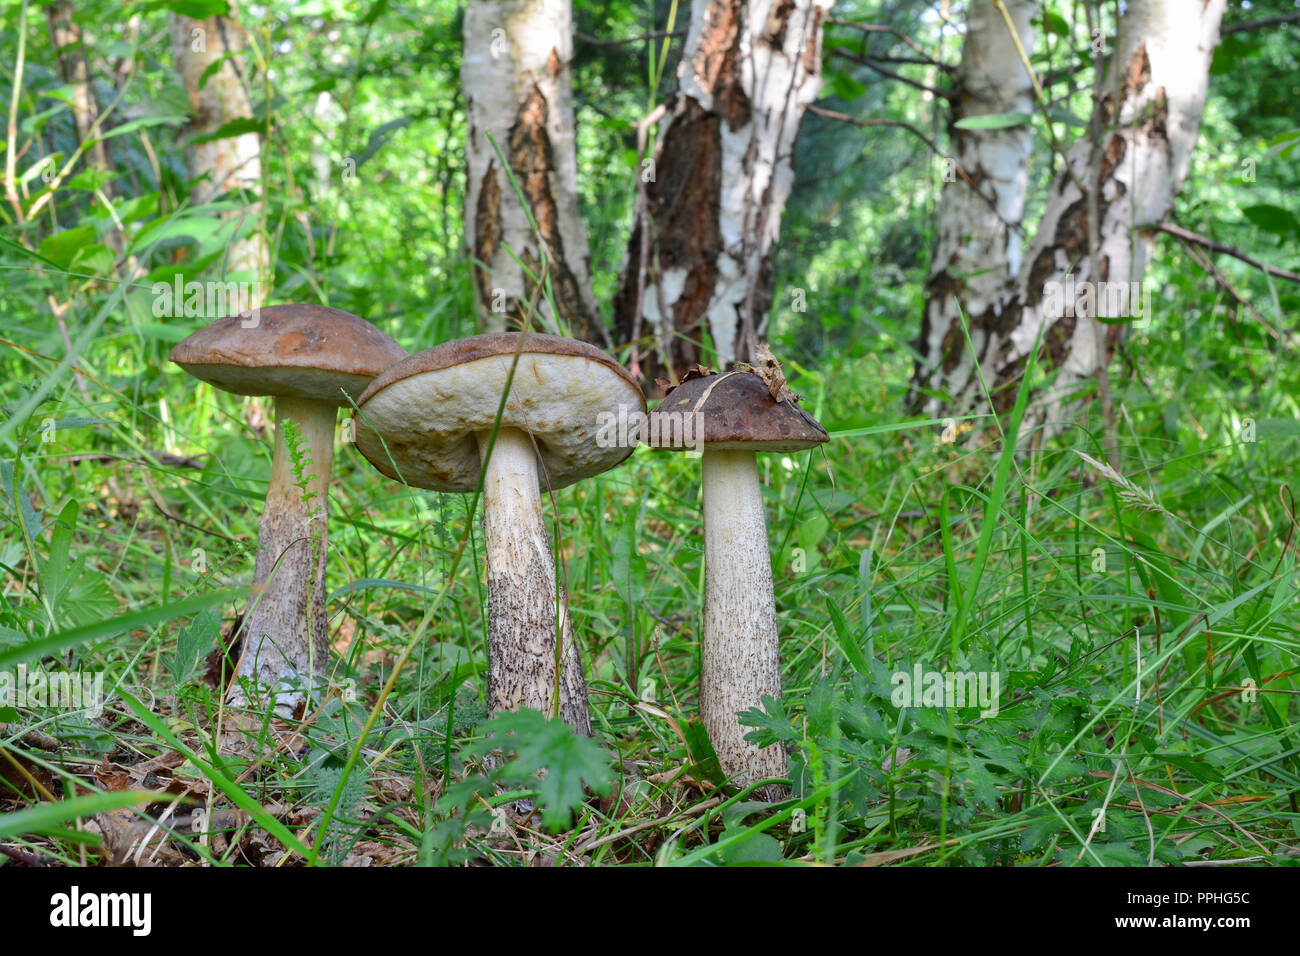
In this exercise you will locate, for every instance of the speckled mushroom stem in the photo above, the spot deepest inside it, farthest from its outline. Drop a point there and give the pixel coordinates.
(741, 653)
(286, 639)
(522, 605)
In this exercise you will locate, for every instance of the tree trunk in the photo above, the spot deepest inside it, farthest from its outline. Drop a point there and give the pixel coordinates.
(722, 171)
(74, 70)
(515, 76)
(978, 237)
(232, 163)
(1150, 112)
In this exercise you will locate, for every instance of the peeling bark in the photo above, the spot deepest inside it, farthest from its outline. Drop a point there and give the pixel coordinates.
(723, 169)
(231, 164)
(515, 75)
(1150, 109)
(978, 236)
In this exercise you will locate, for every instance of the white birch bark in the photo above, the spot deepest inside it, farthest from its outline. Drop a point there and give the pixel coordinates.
(979, 234)
(233, 163)
(723, 169)
(1150, 111)
(517, 85)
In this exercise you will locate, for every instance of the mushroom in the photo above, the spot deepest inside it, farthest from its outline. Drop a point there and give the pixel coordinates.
(310, 359)
(730, 417)
(428, 421)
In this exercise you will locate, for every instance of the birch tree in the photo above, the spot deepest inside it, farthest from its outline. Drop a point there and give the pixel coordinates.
(700, 255)
(74, 70)
(209, 59)
(518, 92)
(979, 234)
(1114, 189)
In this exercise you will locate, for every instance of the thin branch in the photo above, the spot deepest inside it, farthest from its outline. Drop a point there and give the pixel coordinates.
(871, 64)
(1178, 232)
(914, 60)
(657, 35)
(934, 148)
(1204, 262)
(882, 28)
(1262, 24)
(843, 118)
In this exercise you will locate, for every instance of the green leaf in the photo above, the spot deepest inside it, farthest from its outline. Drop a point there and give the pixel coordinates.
(47, 817)
(847, 641)
(198, 9)
(773, 719)
(194, 228)
(114, 626)
(90, 180)
(547, 747)
(160, 119)
(993, 121)
(62, 247)
(55, 572)
(1055, 23)
(843, 86)
(627, 564)
(753, 848)
(1272, 219)
(23, 506)
(1283, 144)
(701, 854)
(704, 759)
(193, 644)
(235, 127)
(96, 260)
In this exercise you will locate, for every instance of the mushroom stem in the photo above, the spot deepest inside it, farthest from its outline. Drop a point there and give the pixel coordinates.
(522, 605)
(741, 654)
(285, 634)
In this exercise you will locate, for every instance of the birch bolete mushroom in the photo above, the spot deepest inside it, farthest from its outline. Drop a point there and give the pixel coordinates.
(310, 358)
(730, 417)
(428, 421)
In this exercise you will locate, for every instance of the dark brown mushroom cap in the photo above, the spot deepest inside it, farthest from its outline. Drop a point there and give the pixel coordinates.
(737, 413)
(295, 351)
(430, 407)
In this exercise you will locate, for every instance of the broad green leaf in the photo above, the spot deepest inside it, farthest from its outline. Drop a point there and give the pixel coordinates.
(993, 121)
(62, 247)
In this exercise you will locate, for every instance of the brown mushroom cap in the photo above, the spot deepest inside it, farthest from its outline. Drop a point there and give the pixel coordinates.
(295, 351)
(737, 413)
(430, 407)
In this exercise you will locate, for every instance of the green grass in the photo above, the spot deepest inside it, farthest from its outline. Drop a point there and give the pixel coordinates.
(892, 547)
(910, 550)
